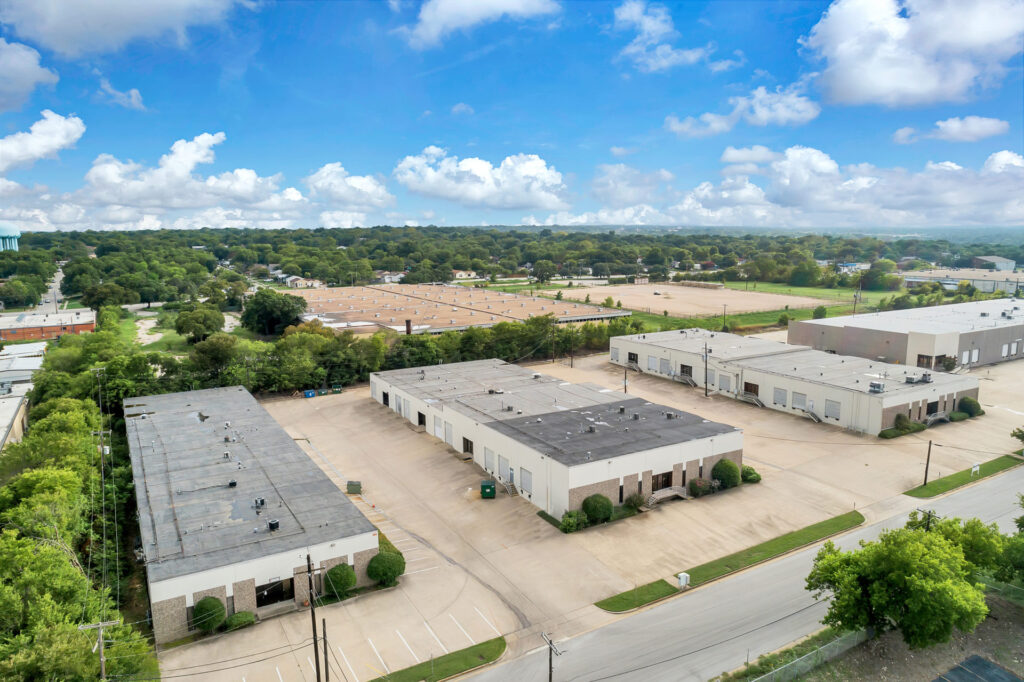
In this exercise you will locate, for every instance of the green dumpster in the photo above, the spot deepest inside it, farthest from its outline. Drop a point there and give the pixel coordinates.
(321, 391)
(354, 487)
(487, 490)
(336, 388)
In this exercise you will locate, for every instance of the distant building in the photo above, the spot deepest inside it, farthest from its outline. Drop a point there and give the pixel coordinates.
(983, 280)
(229, 507)
(296, 282)
(46, 325)
(641, 279)
(463, 274)
(990, 263)
(386, 277)
(9, 236)
(13, 413)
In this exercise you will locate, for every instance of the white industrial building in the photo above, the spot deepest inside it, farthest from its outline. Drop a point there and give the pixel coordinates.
(229, 506)
(970, 334)
(851, 392)
(555, 442)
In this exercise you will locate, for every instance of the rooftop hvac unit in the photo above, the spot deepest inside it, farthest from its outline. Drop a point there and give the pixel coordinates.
(227, 455)
(926, 378)
(232, 483)
(636, 416)
(536, 375)
(876, 387)
(508, 408)
(670, 415)
(591, 429)
(984, 314)
(910, 380)
(622, 409)
(227, 439)
(273, 524)
(227, 425)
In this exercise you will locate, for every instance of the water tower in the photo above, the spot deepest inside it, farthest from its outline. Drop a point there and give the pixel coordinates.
(9, 237)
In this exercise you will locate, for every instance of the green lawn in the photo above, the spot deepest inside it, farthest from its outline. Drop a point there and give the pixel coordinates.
(170, 342)
(773, 548)
(953, 481)
(450, 664)
(765, 318)
(72, 304)
(839, 294)
(642, 594)
(126, 326)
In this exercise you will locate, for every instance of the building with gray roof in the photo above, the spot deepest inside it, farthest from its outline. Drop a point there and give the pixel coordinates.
(229, 506)
(552, 441)
(958, 335)
(851, 392)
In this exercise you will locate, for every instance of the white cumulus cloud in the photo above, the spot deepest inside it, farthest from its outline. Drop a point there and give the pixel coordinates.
(621, 185)
(95, 26)
(956, 129)
(761, 107)
(130, 99)
(520, 181)
(439, 18)
(462, 108)
(43, 140)
(332, 183)
(21, 74)
(345, 219)
(651, 50)
(755, 154)
(913, 52)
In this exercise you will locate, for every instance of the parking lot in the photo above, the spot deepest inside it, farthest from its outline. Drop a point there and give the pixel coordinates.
(477, 567)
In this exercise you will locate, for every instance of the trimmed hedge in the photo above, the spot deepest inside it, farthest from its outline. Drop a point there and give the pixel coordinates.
(573, 521)
(385, 567)
(726, 473)
(339, 580)
(958, 416)
(634, 501)
(208, 614)
(699, 487)
(971, 406)
(896, 433)
(598, 508)
(750, 475)
(239, 620)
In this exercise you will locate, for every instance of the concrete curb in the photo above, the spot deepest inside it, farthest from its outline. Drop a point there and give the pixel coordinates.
(936, 496)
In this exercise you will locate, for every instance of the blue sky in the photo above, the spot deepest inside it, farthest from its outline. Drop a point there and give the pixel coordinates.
(181, 113)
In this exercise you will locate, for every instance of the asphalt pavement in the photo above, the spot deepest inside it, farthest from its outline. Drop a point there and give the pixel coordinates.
(717, 627)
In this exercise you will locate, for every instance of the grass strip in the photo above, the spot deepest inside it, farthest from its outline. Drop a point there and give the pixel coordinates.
(450, 664)
(953, 481)
(769, 662)
(550, 519)
(773, 548)
(638, 596)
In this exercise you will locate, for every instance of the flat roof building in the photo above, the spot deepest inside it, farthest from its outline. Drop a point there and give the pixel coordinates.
(961, 334)
(854, 393)
(229, 507)
(435, 308)
(46, 325)
(555, 442)
(987, 281)
(994, 263)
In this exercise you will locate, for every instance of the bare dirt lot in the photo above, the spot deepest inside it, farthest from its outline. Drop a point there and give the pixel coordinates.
(999, 638)
(681, 301)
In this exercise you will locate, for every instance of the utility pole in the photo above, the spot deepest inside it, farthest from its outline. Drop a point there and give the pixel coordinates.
(312, 613)
(707, 351)
(723, 316)
(927, 462)
(100, 626)
(327, 665)
(928, 516)
(625, 379)
(552, 652)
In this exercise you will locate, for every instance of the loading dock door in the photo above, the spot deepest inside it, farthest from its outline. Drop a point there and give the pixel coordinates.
(448, 438)
(385, 398)
(502, 468)
(438, 428)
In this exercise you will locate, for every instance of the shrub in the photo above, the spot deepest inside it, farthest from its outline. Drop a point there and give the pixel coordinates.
(208, 614)
(750, 475)
(573, 521)
(726, 473)
(340, 579)
(239, 620)
(699, 487)
(634, 501)
(949, 364)
(971, 406)
(820, 312)
(783, 320)
(598, 508)
(1017, 433)
(902, 422)
(385, 568)
(958, 416)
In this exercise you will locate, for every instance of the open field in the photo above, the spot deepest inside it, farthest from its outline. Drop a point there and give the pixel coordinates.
(836, 295)
(497, 556)
(682, 301)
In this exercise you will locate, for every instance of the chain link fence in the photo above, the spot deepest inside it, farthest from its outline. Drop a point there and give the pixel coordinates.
(810, 661)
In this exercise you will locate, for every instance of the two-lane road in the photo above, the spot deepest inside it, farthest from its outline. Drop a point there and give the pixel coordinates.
(716, 627)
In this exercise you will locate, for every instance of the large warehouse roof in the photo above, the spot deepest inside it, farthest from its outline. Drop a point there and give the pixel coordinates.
(200, 459)
(572, 423)
(958, 317)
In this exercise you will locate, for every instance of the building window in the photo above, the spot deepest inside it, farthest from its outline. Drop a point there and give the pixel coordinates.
(615, 354)
(832, 408)
(526, 480)
(779, 396)
(799, 401)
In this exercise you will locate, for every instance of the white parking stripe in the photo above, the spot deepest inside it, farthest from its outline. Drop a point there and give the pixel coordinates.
(407, 645)
(349, 665)
(488, 622)
(311, 666)
(427, 626)
(386, 669)
(471, 641)
(279, 678)
(422, 570)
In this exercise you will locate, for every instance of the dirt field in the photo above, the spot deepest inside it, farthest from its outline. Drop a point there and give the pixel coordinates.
(1000, 639)
(144, 330)
(682, 301)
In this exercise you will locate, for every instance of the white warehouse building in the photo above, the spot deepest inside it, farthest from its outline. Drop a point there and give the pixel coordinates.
(229, 507)
(851, 392)
(555, 442)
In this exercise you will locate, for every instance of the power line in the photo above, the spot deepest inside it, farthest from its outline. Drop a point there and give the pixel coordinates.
(206, 672)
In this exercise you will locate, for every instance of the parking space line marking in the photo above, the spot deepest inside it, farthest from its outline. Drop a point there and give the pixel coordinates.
(311, 666)
(386, 669)
(280, 679)
(471, 640)
(421, 558)
(487, 621)
(349, 665)
(443, 647)
(422, 570)
(407, 645)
